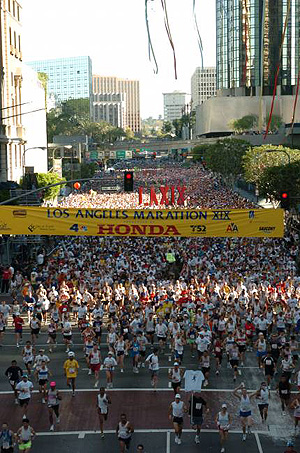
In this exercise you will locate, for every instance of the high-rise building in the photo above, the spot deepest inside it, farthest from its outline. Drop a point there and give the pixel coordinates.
(130, 88)
(175, 105)
(110, 107)
(257, 55)
(68, 78)
(11, 128)
(203, 85)
(249, 34)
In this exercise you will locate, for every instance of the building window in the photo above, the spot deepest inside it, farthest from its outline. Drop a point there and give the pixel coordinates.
(10, 37)
(14, 8)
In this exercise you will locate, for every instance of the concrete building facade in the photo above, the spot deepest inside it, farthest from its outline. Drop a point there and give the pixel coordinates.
(34, 122)
(11, 127)
(203, 85)
(130, 91)
(175, 104)
(110, 107)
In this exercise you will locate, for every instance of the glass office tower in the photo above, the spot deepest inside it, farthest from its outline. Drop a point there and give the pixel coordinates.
(249, 34)
(69, 78)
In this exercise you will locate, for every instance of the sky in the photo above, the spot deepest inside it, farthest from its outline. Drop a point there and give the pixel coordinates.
(113, 33)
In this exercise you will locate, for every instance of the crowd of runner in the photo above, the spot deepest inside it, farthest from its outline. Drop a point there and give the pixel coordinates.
(217, 301)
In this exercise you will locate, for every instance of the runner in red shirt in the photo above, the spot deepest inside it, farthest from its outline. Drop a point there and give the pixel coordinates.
(18, 323)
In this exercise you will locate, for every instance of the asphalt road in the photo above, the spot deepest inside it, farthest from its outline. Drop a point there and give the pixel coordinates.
(147, 410)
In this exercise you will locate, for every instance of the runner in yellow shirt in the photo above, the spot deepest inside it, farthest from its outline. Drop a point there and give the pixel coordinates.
(71, 370)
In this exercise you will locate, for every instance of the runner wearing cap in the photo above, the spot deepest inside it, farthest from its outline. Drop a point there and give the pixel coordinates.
(196, 407)
(25, 436)
(175, 376)
(109, 365)
(103, 400)
(24, 389)
(223, 421)
(71, 370)
(176, 412)
(53, 400)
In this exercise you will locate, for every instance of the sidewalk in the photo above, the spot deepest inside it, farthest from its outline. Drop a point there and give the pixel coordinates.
(262, 202)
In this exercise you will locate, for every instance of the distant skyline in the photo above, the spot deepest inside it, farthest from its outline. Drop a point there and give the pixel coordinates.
(113, 34)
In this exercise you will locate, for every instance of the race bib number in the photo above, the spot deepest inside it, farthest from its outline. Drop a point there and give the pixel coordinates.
(71, 370)
(198, 406)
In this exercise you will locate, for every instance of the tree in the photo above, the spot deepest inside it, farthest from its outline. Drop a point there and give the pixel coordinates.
(43, 78)
(46, 179)
(281, 178)
(259, 158)
(276, 123)
(177, 124)
(129, 134)
(198, 152)
(226, 156)
(166, 127)
(244, 124)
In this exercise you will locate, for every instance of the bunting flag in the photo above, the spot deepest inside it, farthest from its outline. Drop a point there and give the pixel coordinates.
(166, 21)
(278, 68)
(198, 32)
(151, 53)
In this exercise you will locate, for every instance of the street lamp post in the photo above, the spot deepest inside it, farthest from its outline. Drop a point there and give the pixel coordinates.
(25, 150)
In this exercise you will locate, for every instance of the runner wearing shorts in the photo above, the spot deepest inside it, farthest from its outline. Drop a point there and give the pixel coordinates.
(245, 409)
(262, 395)
(196, 407)
(14, 374)
(223, 420)
(24, 389)
(176, 412)
(95, 362)
(124, 432)
(103, 400)
(25, 436)
(53, 400)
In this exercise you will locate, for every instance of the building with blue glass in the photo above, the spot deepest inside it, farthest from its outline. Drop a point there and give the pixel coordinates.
(68, 78)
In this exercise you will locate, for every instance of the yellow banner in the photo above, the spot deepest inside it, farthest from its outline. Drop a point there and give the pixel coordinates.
(149, 222)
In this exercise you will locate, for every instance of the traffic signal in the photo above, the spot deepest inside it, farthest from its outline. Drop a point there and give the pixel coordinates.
(284, 200)
(128, 181)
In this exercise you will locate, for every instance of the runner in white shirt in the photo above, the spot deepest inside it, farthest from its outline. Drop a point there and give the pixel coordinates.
(95, 362)
(103, 400)
(176, 412)
(24, 389)
(109, 365)
(152, 359)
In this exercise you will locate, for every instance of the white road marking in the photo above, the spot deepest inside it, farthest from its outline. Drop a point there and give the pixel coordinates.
(168, 449)
(148, 389)
(145, 431)
(81, 435)
(258, 443)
